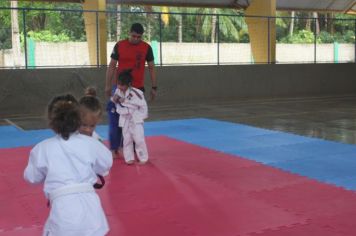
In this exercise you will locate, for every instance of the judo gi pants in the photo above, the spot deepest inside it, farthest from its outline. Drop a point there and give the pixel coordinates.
(115, 132)
(134, 133)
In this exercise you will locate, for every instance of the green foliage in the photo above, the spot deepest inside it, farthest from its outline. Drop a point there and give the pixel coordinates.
(62, 26)
(325, 37)
(282, 22)
(330, 28)
(230, 27)
(344, 22)
(47, 36)
(5, 38)
(303, 36)
(347, 37)
(5, 18)
(45, 25)
(129, 16)
(5, 26)
(233, 29)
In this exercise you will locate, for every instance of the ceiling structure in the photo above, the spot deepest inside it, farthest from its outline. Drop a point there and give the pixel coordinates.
(317, 5)
(346, 6)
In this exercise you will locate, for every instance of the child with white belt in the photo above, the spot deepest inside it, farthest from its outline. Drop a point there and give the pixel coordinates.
(68, 164)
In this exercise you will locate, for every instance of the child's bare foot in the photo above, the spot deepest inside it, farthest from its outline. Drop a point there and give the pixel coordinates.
(130, 162)
(114, 154)
(120, 153)
(142, 162)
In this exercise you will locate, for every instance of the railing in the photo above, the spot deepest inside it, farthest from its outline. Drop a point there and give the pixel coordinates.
(58, 39)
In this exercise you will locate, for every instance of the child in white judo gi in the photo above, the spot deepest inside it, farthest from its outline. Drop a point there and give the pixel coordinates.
(90, 113)
(68, 164)
(132, 107)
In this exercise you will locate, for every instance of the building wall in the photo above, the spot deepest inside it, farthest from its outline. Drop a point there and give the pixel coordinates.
(76, 54)
(29, 91)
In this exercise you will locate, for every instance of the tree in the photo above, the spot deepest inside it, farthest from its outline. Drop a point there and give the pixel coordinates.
(5, 29)
(330, 25)
(231, 23)
(118, 22)
(16, 47)
(308, 22)
(316, 22)
(180, 28)
(56, 22)
(148, 10)
(291, 26)
(176, 17)
(173, 13)
(213, 25)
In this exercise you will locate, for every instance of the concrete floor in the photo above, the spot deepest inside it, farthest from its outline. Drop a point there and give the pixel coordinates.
(330, 118)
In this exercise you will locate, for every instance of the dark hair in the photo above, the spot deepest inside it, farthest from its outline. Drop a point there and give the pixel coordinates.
(137, 28)
(125, 77)
(63, 115)
(90, 101)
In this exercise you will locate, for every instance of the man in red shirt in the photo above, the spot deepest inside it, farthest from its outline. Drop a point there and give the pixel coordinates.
(131, 53)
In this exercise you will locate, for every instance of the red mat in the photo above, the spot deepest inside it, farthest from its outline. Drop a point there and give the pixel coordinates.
(189, 190)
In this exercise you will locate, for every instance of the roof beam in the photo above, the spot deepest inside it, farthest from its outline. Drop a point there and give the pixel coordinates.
(193, 3)
(345, 6)
(72, 1)
(351, 8)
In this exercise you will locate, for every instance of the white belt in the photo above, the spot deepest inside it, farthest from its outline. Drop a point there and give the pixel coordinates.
(70, 189)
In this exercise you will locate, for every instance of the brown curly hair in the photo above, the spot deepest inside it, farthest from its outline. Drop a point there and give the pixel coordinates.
(63, 115)
(90, 91)
(90, 101)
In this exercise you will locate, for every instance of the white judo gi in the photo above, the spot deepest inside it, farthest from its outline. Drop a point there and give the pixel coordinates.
(69, 169)
(132, 108)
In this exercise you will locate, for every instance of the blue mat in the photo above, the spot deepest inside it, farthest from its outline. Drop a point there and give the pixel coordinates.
(326, 161)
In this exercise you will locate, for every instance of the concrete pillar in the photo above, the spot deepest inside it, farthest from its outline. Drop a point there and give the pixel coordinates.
(262, 31)
(90, 20)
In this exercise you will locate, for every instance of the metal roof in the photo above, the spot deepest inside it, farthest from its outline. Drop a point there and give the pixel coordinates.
(346, 6)
(316, 5)
(297, 5)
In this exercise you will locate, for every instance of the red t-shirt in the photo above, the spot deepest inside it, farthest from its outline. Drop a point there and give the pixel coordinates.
(132, 56)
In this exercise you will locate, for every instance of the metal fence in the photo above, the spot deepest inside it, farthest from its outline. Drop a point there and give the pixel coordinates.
(58, 39)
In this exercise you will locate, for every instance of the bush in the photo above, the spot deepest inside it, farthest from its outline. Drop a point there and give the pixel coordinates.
(47, 36)
(5, 38)
(303, 36)
(325, 37)
(348, 37)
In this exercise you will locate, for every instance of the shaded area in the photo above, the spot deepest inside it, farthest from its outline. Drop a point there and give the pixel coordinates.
(330, 118)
